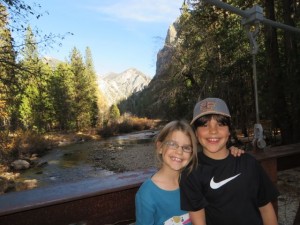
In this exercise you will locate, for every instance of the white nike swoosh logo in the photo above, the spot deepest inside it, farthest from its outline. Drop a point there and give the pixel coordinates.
(215, 185)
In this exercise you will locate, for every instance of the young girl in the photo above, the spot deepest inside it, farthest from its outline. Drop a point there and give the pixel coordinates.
(158, 199)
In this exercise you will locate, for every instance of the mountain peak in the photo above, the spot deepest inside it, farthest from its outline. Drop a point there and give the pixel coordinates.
(119, 86)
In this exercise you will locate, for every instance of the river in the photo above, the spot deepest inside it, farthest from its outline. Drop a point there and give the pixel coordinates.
(72, 162)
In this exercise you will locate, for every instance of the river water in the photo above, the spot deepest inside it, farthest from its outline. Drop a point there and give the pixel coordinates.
(72, 163)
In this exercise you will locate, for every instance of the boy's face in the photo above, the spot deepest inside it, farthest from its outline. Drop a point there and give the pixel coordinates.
(213, 137)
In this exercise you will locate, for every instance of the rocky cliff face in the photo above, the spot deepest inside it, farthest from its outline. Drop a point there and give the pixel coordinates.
(153, 101)
(119, 86)
(165, 54)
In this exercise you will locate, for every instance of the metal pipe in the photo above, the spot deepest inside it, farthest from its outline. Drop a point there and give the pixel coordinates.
(255, 88)
(228, 7)
(280, 25)
(244, 14)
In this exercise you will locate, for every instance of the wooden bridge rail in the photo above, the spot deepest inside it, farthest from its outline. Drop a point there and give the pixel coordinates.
(100, 201)
(277, 159)
(109, 200)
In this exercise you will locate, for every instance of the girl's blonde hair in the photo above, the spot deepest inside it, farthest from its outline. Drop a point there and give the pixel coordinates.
(168, 129)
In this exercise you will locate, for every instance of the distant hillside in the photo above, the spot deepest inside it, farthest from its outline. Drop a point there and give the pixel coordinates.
(119, 86)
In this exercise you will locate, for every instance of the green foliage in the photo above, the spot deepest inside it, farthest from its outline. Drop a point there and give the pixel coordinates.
(62, 90)
(92, 88)
(8, 78)
(30, 50)
(212, 58)
(35, 107)
(114, 113)
(34, 97)
(44, 98)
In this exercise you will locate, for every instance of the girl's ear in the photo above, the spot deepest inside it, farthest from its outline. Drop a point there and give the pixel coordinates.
(159, 147)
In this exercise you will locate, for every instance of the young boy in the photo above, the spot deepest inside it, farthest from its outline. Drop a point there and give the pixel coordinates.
(224, 190)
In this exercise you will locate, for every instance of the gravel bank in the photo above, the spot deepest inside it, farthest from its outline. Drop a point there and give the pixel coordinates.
(125, 157)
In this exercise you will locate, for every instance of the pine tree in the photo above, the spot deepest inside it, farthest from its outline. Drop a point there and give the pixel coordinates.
(114, 113)
(82, 93)
(92, 88)
(36, 110)
(62, 91)
(8, 78)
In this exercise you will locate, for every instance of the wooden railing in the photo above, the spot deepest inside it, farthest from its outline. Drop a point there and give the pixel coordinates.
(108, 200)
(277, 159)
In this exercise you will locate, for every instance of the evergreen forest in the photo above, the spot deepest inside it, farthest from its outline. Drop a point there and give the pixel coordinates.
(37, 95)
(213, 57)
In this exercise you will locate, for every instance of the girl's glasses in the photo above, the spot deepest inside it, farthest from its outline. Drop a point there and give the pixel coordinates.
(173, 145)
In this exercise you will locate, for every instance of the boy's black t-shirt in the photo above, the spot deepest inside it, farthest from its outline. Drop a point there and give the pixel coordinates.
(231, 190)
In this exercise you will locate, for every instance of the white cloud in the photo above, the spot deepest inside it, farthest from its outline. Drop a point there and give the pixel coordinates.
(140, 10)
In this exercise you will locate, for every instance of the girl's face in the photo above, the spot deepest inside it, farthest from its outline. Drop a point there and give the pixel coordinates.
(213, 137)
(176, 151)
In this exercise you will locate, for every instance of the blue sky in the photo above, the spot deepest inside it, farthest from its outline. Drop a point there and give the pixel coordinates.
(121, 33)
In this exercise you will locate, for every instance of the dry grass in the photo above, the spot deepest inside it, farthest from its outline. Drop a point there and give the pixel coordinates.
(23, 144)
(126, 125)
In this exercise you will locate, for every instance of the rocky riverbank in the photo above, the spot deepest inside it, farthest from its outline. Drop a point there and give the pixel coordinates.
(124, 157)
(11, 168)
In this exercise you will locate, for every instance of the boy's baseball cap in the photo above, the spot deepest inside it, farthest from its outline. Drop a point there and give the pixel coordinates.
(210, 106)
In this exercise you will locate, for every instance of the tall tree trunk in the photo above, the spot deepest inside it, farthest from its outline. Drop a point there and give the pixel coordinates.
(292, 70)
(275, 80)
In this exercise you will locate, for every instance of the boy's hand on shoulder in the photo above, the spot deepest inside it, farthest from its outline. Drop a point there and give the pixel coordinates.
(236, 152)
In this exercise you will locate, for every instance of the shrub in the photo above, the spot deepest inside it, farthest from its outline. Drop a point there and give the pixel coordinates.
(27, 142)
(127, 124)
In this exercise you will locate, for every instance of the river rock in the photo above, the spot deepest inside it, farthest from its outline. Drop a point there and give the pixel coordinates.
(42, 164)
(20, 164)
(26, 185)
